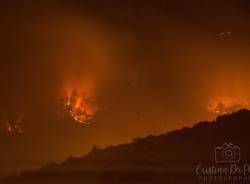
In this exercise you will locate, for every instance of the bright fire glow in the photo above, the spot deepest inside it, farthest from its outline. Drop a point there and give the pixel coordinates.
(13, 128)
(223, 105)
(79, 106)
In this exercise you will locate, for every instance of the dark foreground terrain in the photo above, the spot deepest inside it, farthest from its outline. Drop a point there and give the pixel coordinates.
(167, 158)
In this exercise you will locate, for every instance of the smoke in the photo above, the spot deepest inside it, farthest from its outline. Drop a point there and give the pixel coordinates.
(151, 68)
(53, 52)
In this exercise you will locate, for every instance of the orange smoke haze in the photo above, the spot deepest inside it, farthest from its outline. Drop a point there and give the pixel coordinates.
(118, 65)
(83, 53)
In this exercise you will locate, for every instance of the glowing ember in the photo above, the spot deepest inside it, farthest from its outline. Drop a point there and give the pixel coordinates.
(225, 105)
(79, 106)
(13, 128)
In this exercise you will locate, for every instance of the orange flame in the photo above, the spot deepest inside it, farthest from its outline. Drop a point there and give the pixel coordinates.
(223, 105)
(79, 106)
(13, 128)
(13, 124)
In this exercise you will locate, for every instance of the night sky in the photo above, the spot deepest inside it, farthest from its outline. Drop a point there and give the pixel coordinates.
(131, 68)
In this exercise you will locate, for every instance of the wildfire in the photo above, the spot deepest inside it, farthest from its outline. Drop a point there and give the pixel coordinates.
(223, 105)
(13, 128)
(13, 124)
(79, 106)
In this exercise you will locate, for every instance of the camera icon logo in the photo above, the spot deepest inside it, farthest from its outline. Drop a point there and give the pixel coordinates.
(228, 152)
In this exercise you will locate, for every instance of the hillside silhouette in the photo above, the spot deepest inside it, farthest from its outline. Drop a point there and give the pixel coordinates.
(167, 158)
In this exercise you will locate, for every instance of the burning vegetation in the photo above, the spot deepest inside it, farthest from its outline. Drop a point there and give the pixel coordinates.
(12, 128)
(13, 125)
(223, 105)
(79, 106)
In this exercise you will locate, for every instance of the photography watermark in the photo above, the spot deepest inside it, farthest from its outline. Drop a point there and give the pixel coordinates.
(227, 166)
(227, 153)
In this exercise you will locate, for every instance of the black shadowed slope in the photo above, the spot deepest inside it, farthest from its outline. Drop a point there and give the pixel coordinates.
(167, 158)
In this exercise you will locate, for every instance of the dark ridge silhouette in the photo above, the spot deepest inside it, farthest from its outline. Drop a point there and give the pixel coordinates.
(167, 158)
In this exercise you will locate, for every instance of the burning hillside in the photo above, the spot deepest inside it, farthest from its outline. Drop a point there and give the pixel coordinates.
(80, 106)
(223, 105)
